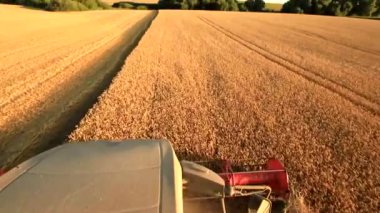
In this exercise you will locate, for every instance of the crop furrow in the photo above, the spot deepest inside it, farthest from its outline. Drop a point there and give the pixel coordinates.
(360, 65)
(315, 35)
(56, 70)
(343, 91)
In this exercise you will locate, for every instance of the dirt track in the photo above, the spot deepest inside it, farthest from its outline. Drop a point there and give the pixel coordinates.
(304, 89)
(47, 70)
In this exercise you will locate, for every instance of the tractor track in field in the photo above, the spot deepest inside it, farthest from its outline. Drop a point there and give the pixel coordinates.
(49, 61)
(343, 91)
(360, 65)
(50, 64)
(304, 32)
(315, 35)
(57, 72)
(25, 47)
(44, 54)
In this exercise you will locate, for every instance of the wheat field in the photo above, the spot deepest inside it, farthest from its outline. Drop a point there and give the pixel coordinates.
(48, 64)
(231, 85)
(254, 86)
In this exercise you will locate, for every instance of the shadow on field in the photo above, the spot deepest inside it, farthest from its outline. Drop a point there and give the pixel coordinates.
(52, 127)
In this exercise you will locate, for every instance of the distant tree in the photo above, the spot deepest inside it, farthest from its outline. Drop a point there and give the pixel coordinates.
(212, 4)
(297, 6)
(170, 4)
(333, 7)
(377, 12)
(366, 7)
(255, 5)
(232, 5)
(61, 5)
(242, 7)
(319, 6)
(189, 4)
(339, 8)
(289, 6)
(224, 5)
(124, 5)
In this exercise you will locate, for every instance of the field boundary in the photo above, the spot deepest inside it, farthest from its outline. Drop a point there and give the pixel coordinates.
(334, 87)
(50, 128)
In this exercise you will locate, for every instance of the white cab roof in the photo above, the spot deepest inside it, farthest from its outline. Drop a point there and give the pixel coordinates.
(130, 176)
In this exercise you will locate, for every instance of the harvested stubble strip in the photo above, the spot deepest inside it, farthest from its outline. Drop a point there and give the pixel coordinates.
(215, 98)
(48, 69)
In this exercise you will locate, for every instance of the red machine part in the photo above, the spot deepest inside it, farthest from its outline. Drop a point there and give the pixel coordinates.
(2, 171)
(273, 175)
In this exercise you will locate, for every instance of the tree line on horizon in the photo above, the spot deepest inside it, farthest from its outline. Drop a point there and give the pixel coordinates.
(368, 8)
(222, 5)
(82, 5)
(61, 5)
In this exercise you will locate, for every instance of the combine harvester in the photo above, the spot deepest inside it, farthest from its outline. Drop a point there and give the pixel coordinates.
(138, 176)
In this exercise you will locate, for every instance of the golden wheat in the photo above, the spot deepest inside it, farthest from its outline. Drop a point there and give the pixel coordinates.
(303, 89)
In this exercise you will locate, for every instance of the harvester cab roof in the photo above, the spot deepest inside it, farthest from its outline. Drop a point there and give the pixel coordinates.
(136, 176)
